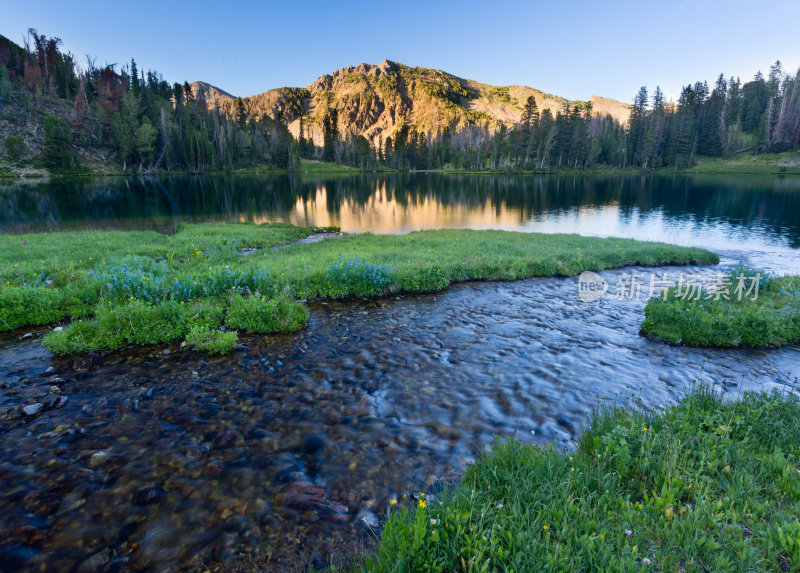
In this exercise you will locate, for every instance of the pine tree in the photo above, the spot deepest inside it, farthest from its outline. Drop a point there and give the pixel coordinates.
(57, 140)
(530, 114)
(135, 85)
(188, 94)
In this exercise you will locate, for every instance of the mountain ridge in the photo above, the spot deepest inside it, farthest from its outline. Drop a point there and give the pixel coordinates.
(376, 100)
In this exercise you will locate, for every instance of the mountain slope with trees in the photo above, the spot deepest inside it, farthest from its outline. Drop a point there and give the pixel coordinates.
(376, 101)
(59, 116)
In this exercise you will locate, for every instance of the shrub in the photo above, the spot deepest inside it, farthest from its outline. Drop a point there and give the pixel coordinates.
(20, 306)
(15, 147)
(212, 341)
(80, 336)
(724, 320)
(356, 277)
(260, 314)
(138, 322)
(424, 279)
(135, 322)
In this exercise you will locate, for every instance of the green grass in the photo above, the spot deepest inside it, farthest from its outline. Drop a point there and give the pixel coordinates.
(725, 316)
(260, 314)
(211, 341)
(708, 485)
(762, 163)
(48, 277)
(316, 166)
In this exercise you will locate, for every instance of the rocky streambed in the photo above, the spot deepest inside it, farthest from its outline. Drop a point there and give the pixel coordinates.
(285, 453)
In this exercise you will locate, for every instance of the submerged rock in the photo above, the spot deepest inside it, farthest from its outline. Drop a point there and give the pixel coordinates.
(308, 499)
(33, 409)
(98, 459)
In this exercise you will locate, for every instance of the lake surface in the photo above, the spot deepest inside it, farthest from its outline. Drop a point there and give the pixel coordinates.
(285, 453)
(724, 212)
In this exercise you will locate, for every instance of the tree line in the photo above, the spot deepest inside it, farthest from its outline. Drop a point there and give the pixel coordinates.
(152, 125)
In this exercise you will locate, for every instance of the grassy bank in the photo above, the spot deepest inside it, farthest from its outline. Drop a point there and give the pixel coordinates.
(191, 279)
(728, 316)
(762, 163)
(706, 486)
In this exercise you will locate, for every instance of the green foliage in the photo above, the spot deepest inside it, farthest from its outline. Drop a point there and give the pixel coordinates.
(211, 340)
(150, 288)
(500, 94)
(79, 337)
(356, 277)
(145, 140)
(5, 83)
(424, 278)
(134, 322)
(726, 317)
(259, 314)
(57, 140)
(709, 485)
(20, 306)
(15, 147)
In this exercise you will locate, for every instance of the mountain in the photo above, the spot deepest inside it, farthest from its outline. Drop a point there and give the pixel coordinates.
(376, 100)
(208, 93)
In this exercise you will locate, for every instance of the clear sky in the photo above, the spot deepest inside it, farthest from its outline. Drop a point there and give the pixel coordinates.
(573, 49)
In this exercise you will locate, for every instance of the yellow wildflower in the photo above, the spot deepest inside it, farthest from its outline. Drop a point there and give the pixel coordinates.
(392, 502)
(422, 504)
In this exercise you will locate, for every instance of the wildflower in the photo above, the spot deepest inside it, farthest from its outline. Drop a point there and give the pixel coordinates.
(545, 527)
(392, 502)
(422, 504)
(499, 506)
(628, 532)
(434, 521)
(646, 561)
(644, 429)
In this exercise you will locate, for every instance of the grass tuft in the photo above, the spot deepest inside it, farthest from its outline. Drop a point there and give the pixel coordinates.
(260, 314)
(708, 485)
(212, 341)
(729, 316)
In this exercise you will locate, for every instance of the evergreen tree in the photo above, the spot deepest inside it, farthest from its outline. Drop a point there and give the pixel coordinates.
(5, 83)
(57, 141)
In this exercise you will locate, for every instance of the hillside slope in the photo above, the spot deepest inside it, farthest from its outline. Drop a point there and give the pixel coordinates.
(376, 100)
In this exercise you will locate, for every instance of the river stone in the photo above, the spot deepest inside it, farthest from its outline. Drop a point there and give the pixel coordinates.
(33, 409)
(27, 335)
(98, 459)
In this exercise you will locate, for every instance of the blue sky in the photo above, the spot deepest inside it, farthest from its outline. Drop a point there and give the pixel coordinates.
(574, 49)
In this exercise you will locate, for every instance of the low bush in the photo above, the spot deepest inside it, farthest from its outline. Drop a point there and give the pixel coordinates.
(355, 277)
(135, 322)
(259, 314)
(727, 317)
(20, 306)
(423, 278)
(212, 341)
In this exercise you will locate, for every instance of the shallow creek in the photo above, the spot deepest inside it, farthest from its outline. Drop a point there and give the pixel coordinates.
(285, 453)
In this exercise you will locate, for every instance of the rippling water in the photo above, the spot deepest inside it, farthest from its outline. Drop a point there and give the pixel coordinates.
(282, 450)
(283, 453)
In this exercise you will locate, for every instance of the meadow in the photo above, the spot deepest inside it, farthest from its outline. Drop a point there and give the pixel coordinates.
(114, 288)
